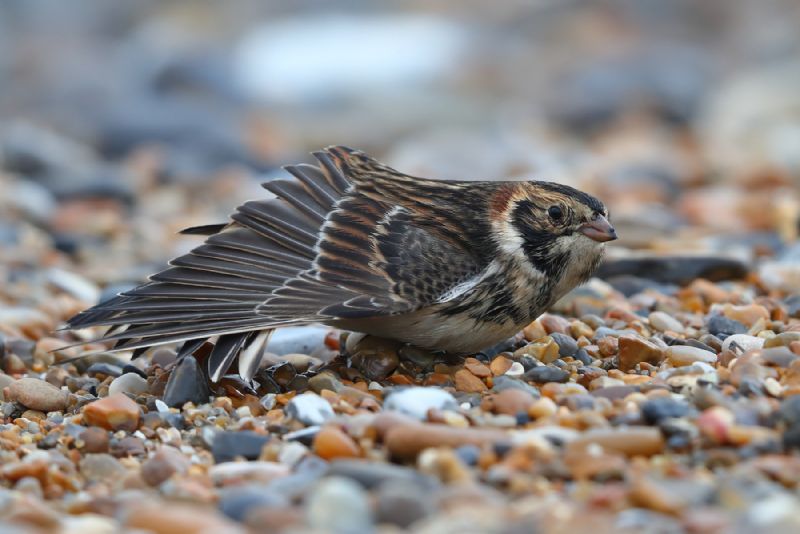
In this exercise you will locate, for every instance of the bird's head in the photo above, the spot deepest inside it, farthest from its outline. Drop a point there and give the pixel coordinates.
(551, 224)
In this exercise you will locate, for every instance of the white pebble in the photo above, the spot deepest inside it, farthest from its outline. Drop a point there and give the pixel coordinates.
(664, 322)
(743, 342)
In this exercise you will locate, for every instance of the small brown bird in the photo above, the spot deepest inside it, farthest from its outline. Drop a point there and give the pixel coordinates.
(448, 265)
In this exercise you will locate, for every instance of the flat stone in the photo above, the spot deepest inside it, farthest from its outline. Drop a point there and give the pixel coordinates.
(417, 401)
(166, 461)
(339, 506)
(228, 445)
(742, 342)
(115, 412)
(101, 467)
(239, 502)
(682, 355)
(567, 346)
(663, 322)
(332, 442)
(636, 350)
(310, 409)
(407, 441)
(544, 374)
(721, 325)
(128, 383)
(468, 382)
(510, 402)
(371, 474)
(38, 395)
(630, 441)
(658, 409)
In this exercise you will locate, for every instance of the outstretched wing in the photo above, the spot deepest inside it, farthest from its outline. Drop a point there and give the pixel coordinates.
(332, 245)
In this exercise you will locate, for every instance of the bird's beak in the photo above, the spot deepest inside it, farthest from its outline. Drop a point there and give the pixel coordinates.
(599, 229)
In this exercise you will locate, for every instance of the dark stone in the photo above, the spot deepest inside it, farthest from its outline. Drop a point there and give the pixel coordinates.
(615, 392)
(22, 348)
(503, 382)
(580, 401)
(719, 324)
(103, 368)
(127, 446)
(186, 384)
(230, 445)
(566, 345)
(544, 374)
(469, 454)
(583, 357)
(630, 285)
(655, 410)
(507, 345)
(306, 475)
(371, 474)
(237, 501)
(283, 374)
(793, 306)
(791, 438)
(789, 410)
(680, 270)
(402, 504)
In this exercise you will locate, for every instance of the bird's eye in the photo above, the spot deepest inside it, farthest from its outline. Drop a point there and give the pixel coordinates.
(555, 212)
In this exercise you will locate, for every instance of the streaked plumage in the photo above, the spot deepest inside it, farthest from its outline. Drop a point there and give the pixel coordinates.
(352, 243)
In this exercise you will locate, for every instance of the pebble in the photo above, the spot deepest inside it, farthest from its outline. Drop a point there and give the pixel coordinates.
(239, 502)
(742, 342)
(163, 464)
(325, 380)
(38, 395)
(402, 504)
(630, 441)
(371, 474)
(95, 439)
(546, 374)
(664, 322)
(544, 349)
(101, 467)
(332, 442)
(658, 409)
(721, 325)
(417, 401)
(309, 409)
(510, 402)
(500, 365)
(747, 315)
(407, 441)
(229, 445)
(128, 383)
(502, 383)
(567, 346)
(374, 357)
(682, 355)
(116, 412)
(339, 506)
(469, 383)
(5, 381)
(635, 350)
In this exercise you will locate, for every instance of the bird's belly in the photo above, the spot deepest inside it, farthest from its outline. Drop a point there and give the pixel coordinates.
(457, 333)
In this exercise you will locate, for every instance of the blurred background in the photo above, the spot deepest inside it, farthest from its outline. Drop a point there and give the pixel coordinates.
(122, 122)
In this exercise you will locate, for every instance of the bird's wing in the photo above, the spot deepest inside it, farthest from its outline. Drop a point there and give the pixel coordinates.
(374, 259)
(323, 249)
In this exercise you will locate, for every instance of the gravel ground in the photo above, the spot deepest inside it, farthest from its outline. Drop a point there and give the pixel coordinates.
(661, 397)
